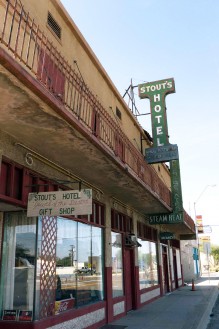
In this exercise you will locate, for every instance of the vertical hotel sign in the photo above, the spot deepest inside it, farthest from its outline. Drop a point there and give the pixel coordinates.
(156, 92)
(162, 150)
(177, 204)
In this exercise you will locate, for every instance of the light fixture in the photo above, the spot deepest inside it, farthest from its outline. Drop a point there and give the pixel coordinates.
(131, 241)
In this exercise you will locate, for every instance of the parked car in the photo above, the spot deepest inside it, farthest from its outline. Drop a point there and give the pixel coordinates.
(85, 270)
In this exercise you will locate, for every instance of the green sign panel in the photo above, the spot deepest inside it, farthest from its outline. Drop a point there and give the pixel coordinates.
(167, 236)
(162, 151)
(171, 218)
(187, 237)
(177, 215)
(177, 203)
(160, 154)
(156, 92)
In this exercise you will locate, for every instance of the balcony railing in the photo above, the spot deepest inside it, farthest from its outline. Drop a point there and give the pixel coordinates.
(21, 35)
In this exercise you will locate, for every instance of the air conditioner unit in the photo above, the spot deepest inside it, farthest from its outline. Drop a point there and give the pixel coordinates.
(131, 241)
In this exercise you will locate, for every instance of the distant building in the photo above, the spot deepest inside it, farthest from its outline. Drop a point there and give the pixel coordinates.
(68, 137)
(190, 260)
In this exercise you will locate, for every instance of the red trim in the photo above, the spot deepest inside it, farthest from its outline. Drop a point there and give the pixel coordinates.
(18, 325)
(146, 232)
(120, 222)
(27, 184)
(145, 290)
(12, 201)
(53, 320)
(136, 302)
(119, 316)
(130, 279)
(109, 297)
(95, 123)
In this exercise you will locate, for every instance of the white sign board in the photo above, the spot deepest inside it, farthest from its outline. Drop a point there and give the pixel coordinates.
(60, 203)
(207, 247)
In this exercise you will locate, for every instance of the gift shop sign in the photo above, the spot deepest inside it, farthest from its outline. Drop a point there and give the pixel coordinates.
(156, 92)
(60, 203)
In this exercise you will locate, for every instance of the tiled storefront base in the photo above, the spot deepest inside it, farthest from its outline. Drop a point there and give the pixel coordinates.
(150, 295)
(83, 321)
(118, 308)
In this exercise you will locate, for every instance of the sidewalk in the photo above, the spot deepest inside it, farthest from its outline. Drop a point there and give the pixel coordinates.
(181, 309)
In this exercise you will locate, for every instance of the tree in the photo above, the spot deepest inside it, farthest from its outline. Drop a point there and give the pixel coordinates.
(215, 254)
(65, 261)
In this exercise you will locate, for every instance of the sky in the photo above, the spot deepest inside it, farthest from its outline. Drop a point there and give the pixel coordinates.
(149, 40)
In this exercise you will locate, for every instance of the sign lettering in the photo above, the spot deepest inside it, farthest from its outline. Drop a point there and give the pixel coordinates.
(9, 315)
(60, 203)
(160, 154)
(177, 203)
(167, 236)
(156, 92)
(171, 218)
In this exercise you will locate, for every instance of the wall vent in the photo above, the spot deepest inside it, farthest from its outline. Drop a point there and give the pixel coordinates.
(118, 113)
(54, 25)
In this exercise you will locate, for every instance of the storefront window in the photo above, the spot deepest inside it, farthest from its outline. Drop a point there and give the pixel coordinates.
(73, 275)
(18, 266)
(89, 271)
(79, 265)
(117, 265)
(66, 284)
(147, 260)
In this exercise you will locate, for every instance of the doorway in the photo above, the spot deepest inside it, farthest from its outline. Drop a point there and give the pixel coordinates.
(129, 278)
(175, 269)
(165, 270)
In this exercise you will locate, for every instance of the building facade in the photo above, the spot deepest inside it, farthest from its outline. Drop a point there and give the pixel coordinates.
(190, 259)
(65, 130)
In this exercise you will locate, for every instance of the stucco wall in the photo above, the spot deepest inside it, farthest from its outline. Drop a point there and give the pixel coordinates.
(73, 47)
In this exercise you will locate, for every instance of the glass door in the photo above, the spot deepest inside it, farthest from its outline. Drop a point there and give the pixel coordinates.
(18, 266)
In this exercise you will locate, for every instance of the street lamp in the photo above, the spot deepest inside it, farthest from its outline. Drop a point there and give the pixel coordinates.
(201, 195)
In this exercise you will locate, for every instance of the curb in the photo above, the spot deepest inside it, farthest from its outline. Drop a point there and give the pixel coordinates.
(205, 319)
